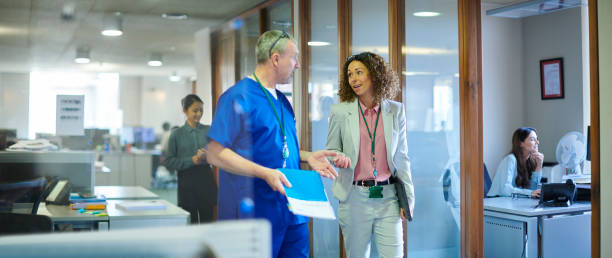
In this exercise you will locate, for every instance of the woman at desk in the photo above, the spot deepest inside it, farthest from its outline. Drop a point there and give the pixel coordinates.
(520, 172)
(369, 129)
(197, 189)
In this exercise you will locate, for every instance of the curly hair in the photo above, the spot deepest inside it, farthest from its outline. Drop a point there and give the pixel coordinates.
(384, 79)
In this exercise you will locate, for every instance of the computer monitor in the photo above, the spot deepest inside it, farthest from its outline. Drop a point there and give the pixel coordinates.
(148, 135)
(127, 135)
(96, 135)
(588, 156)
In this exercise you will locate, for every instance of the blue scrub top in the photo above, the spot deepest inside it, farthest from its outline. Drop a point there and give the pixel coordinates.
(245, 123)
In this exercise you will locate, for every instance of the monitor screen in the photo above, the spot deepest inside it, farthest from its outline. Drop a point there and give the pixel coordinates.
(148, 135)
(127, 135)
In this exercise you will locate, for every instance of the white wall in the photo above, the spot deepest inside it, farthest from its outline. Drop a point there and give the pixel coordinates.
(130, 93)
(605, 116)
(548, 36)
(161, 101)
(14, 102)
(502, 91)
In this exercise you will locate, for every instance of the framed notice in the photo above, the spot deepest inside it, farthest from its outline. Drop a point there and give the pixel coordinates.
(551, 78)
(70, 110)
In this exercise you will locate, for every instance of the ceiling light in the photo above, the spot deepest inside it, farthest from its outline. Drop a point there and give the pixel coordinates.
(318, 43)
(174, 77)
(82, 55)
(112, 25)
(174, 16)
(155, 60)
(426, 14)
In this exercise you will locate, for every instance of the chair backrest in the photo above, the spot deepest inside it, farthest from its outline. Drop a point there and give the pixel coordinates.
(30, 191)
(14, 223)
(486, 180)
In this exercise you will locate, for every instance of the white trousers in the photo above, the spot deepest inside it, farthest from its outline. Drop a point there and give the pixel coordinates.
(362, 219)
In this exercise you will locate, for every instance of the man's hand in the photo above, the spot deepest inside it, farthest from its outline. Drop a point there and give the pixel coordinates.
(276, 180)
(341, 161)
(318, 162)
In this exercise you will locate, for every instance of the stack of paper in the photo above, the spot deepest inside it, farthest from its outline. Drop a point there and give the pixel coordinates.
(88, 203)
(141, 205)
(307, 196)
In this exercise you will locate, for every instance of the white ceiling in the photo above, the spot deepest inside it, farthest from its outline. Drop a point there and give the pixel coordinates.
(33, 36)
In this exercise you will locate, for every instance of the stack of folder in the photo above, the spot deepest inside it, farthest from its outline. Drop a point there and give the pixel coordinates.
(89, 203)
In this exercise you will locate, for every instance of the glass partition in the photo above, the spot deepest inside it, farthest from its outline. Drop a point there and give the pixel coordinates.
(431, 99)
(279, 18)
(323, 89)
(370, 27)
(248, 32)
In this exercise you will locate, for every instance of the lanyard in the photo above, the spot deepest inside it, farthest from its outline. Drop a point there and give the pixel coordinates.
(372, 137)
(280, 121)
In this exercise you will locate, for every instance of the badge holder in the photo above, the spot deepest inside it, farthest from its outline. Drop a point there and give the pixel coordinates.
(376, 190)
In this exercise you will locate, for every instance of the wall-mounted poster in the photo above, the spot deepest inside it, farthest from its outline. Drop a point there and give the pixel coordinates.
(551, 78)
(70, 115)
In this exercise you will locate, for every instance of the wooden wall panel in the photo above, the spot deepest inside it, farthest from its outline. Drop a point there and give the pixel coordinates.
(595, 155)
(470, 98)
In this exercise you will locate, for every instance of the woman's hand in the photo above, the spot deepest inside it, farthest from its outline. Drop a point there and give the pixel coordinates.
(539, 158)
(318, 162)
(402, 214)
(342, 161)
(276, 180)
(536, 193)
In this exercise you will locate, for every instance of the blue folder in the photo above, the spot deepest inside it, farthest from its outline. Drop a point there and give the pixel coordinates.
(306, 185)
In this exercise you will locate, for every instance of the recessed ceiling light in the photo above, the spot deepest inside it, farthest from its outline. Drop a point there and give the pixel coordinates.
(155, 60)
(112, 25)
(174, 77)
(426, 14)
(174, 16)
(82, 55)
(318, 43)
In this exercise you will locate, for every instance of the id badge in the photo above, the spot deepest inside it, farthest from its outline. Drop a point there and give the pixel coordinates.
(376, 191)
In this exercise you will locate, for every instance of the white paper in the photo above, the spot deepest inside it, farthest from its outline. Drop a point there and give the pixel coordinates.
(315, 209)
(553, 85)
(69, 115)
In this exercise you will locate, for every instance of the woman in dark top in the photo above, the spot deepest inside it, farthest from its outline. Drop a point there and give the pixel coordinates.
(197, 189)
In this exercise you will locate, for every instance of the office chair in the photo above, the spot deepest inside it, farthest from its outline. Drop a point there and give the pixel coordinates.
(31, 191)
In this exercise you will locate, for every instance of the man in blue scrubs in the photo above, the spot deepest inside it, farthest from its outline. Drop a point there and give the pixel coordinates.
(253, 133)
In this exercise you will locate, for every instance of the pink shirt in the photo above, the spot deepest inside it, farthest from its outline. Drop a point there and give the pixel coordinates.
(364, 169)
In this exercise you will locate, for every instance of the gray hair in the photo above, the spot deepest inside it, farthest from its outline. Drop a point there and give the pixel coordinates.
(266, 40)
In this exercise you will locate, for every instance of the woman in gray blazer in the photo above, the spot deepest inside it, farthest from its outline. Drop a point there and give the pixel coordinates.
(368, 129)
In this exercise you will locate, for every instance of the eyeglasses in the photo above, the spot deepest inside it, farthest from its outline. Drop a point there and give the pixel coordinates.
(284, 35)
(358, 57)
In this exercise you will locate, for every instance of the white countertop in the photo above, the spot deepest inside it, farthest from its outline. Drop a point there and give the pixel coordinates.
(527, 207)
(125, 193)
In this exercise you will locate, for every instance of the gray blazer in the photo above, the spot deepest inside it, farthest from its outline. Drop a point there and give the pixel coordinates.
(343, 138)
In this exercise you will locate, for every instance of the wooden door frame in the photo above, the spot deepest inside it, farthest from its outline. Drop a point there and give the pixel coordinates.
(470, 101)
(595, 154)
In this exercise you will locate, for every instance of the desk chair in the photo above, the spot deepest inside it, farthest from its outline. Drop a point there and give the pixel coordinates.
(31, 191)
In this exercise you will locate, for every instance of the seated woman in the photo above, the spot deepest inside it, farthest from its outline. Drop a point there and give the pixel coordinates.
(519, 172)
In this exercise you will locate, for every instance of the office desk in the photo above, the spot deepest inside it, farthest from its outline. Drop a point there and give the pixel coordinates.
(121, 219)
(125, 193)
(512, 228)
(117, 218)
